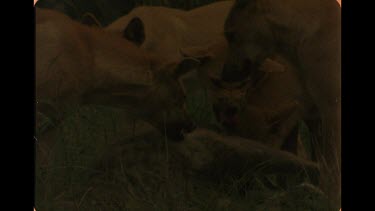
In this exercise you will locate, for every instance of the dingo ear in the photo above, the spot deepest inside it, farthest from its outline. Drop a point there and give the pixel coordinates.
(197, 52)
(185, 66)
(90, 20)
(271, 66)
(135, 31)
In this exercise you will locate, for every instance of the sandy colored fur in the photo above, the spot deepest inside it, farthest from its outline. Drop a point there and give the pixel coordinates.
(167, 30)
(78, 64)
(308, 34)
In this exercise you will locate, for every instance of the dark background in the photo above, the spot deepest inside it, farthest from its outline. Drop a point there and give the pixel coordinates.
(106, 11)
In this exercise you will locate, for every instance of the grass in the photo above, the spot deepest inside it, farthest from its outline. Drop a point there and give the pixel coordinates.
(96, 160)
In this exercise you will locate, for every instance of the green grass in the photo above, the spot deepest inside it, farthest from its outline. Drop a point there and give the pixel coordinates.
(199, 104)
(98, 160)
